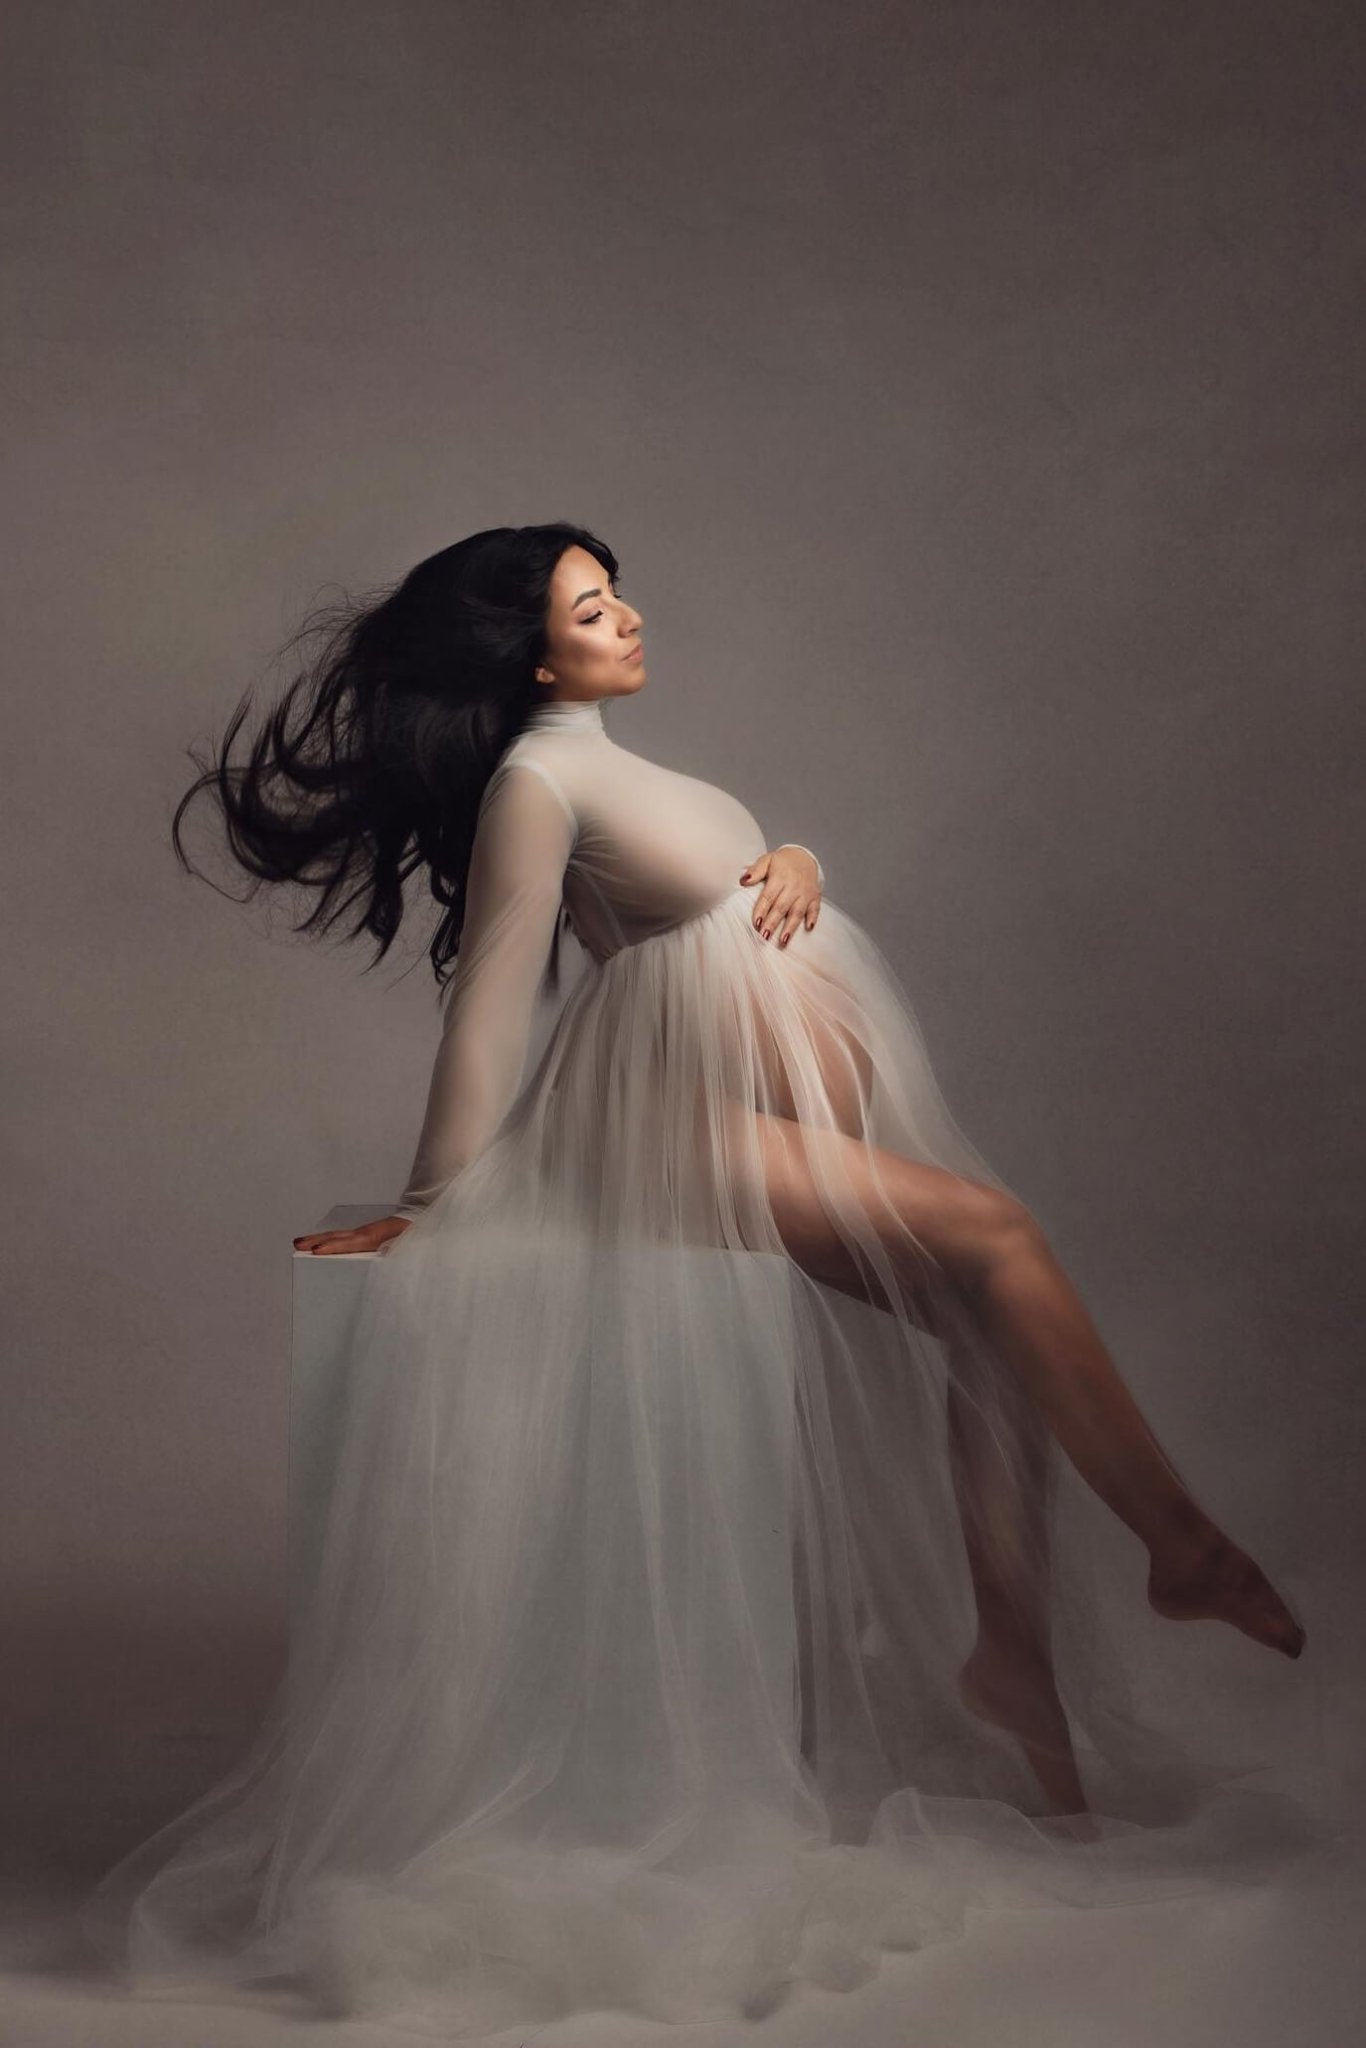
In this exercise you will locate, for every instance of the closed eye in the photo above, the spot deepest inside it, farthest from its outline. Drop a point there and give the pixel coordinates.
(593, 616)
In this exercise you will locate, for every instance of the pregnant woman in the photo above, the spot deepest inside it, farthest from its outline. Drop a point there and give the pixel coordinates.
(691, 1621)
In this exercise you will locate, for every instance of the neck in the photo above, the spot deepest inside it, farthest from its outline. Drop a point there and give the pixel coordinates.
(567, 714)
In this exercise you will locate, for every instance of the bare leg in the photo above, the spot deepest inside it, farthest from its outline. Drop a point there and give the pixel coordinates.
(992, 1249)
(1002, 1491)
(1033, 1316)
(999, 1465)
(998, 1461)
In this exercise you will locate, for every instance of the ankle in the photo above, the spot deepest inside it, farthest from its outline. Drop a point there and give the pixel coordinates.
(1187, 1543)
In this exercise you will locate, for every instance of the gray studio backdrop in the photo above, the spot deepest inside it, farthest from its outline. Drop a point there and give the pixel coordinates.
(966, 391)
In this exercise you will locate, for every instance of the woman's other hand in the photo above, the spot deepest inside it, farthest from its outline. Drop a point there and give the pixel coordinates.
(369, 1238)
(791, 895)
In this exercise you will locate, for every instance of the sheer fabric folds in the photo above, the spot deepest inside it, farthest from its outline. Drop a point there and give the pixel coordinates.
(632, 1675)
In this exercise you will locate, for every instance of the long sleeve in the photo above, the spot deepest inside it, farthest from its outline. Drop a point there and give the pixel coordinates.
(525, 834)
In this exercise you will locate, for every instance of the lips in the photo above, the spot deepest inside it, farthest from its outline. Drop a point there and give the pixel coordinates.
(636, 652)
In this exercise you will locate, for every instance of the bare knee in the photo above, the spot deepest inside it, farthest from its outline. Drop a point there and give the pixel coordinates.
(1003, 1230)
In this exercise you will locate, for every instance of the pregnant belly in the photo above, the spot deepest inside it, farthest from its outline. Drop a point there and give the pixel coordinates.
(651, 1103)
(806, 1052)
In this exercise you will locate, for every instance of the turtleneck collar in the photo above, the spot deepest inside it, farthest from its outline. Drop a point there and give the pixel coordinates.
(567, 714)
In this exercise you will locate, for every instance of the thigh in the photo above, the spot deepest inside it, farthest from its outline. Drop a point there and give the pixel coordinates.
(835, 1198)
(840, 1071)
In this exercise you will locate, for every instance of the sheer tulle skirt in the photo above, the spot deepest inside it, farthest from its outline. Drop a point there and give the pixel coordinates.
(631, 1678)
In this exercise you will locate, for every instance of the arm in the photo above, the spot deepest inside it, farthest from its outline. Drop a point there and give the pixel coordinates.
(524, 837)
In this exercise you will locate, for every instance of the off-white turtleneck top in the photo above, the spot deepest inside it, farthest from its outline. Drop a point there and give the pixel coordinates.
(568, 821)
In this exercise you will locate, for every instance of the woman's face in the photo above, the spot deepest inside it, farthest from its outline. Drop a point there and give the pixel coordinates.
(591, 633)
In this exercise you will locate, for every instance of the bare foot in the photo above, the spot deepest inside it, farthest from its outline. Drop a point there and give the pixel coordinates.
(1012, 1687)
(1210, 1579)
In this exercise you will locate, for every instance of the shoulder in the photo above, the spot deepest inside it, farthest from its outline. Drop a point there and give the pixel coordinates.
(513, 790)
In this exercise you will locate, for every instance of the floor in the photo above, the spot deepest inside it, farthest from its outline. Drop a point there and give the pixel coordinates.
(1280, 1966)
(1261, 1969)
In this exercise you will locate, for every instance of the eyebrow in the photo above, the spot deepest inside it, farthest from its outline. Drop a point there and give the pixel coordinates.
(596, 591)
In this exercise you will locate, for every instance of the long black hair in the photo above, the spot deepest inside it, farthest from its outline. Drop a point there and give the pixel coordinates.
(373, 762)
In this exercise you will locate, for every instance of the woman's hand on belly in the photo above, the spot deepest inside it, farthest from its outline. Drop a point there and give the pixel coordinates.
(791, 895)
